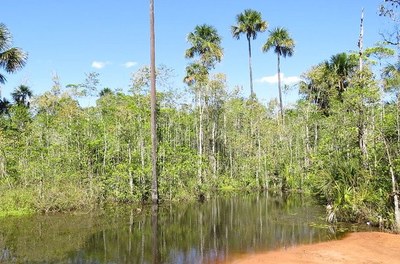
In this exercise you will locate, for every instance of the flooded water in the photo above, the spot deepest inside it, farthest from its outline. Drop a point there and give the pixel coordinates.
(208, 232)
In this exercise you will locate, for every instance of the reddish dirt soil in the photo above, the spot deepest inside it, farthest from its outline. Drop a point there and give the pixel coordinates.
(355, 248)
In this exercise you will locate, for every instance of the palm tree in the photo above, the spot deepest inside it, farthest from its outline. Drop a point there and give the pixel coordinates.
(11, 58)
(21, 95)
(249, 23)
(105, 91)
(283, 45)
(4, 106)
(206, 43)
(342, 67)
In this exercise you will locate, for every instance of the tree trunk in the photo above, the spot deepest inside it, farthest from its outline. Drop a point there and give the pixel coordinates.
(315, 136)
(200, 146)
(360, 41)
(398, 120)
(154, 185)
(258, 159)
(105, 149)
(214, 155)
(362, 133)
(394, 188)
(130, 168)
(142, 159)
(307, 145)
(280, 89)
(231, 162)
(250, 70)
(2, 165)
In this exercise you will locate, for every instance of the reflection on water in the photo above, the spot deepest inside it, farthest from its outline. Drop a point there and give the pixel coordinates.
(206, 232)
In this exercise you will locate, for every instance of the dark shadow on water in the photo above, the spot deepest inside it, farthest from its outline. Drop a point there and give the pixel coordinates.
(207, 232)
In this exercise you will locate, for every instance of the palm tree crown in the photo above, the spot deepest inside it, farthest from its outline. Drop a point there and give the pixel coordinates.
(4, 106)
(280, 40)
(21, 95)
(11, 59)
(250, 23)
(343, 67)
(206, 43)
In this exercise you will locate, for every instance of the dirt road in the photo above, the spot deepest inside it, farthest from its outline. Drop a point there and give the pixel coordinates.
(355, 248)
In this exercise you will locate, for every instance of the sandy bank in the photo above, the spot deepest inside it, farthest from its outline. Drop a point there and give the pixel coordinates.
(355, 248)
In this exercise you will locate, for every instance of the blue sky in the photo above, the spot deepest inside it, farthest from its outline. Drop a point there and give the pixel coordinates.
(71, 38)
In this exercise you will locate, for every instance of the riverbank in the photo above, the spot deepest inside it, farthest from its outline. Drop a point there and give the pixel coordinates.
(355, 248)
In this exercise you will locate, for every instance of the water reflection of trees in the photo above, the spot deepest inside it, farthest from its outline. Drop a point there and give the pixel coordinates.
(186, 233)
(45, 238)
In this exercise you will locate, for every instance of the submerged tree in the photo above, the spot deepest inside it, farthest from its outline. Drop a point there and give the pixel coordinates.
(283, 45)
(249, 23)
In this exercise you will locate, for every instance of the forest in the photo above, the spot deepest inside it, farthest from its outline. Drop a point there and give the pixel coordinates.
(340, 142)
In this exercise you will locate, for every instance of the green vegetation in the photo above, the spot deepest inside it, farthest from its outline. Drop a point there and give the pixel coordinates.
(340, 142)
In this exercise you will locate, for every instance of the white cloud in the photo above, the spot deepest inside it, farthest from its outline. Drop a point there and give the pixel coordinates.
(130, 64)
(274, 79)
(99, 64)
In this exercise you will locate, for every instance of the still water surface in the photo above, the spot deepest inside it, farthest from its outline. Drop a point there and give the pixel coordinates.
(208, 232)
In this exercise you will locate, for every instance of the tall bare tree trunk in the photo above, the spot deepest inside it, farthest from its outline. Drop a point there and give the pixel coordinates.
(154, 185)
(360, 40)
(258, 172)
(307, 149)
(362, 139)
(214, 155)
(130, 168)
(280, 89)
(105, 149)
(362, 133)
(250, 70)
(200, 146)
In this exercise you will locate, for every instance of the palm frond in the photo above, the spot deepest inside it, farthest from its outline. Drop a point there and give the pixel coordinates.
(5, 37)
(250, 23)
(280, 40)
(205, 43)
(13, 59)
(2, 79)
